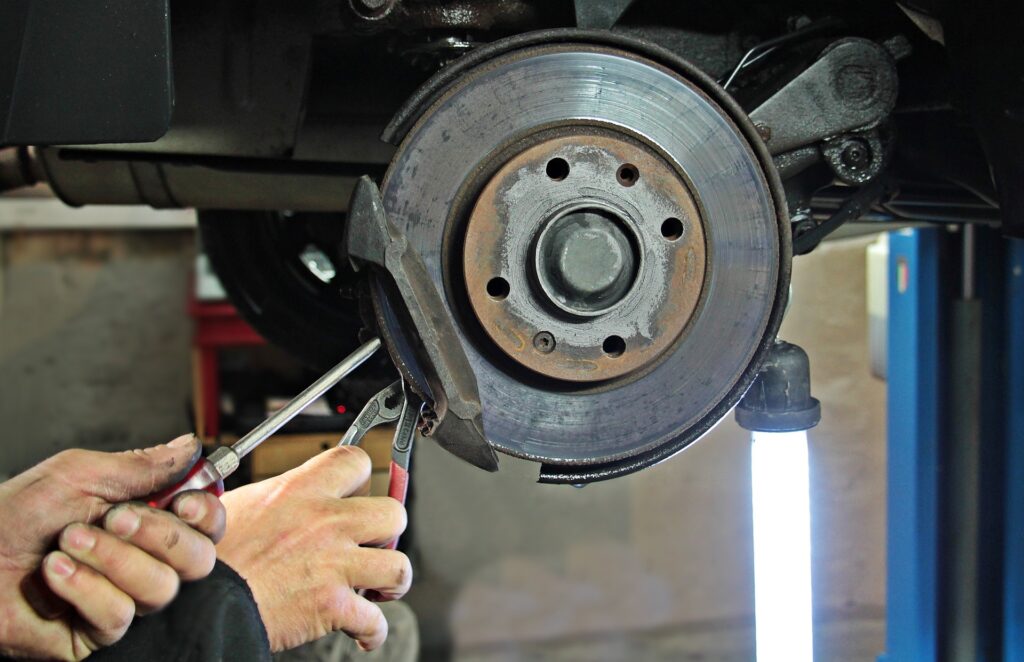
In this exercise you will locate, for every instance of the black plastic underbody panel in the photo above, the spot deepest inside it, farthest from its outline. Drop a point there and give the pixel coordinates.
(87, 71)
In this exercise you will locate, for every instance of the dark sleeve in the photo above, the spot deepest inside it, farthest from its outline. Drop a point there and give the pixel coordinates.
(213, 619)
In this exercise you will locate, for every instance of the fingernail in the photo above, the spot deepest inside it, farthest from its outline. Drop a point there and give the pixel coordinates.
(60, 564)
(123, 522)
(80, 538)
(182, 441)
(191, 508)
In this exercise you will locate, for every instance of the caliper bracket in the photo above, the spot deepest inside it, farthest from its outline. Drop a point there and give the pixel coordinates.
(852, 86)
(434, 360)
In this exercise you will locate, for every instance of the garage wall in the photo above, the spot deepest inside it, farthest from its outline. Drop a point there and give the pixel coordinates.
(94, 341)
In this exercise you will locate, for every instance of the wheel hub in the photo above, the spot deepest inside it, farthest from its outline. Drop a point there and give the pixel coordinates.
(570, 239)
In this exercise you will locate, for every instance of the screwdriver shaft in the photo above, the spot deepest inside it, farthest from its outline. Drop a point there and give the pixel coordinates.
(273, 423)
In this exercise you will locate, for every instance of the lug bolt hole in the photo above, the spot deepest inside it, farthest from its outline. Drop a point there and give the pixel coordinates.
(614, 346)
(498, 288)
(672, 229)
(558, 169)
(627, 174)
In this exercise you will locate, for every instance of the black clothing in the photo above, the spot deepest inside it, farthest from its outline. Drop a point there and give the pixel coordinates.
(212, 619)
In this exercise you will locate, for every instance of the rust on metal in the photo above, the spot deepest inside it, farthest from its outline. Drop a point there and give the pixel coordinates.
(650, 301)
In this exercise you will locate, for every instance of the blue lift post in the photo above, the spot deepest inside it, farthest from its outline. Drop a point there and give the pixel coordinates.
(923, 598)
(1013, 560)
(913, 371)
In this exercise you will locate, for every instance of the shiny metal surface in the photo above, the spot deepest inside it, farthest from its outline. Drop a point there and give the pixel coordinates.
(243, 446)
(558, 85)
(383, 408)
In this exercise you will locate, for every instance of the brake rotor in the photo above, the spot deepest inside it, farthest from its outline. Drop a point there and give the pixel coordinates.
(608, 244)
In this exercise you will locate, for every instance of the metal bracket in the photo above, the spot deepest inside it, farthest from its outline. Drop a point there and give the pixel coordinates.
(600, 14)
(851, 86)
(440, 363)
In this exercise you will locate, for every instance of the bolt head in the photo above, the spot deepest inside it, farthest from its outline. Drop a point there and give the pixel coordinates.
(372, 10)
(544, 342)
(856, 155)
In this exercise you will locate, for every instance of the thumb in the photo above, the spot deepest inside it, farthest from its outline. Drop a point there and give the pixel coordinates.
(136, 473)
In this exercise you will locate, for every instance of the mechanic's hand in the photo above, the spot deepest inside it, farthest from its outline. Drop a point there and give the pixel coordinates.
(115, 560)
(297, 544)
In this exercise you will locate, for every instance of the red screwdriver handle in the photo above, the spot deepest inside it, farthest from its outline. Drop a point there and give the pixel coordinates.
(202, 476)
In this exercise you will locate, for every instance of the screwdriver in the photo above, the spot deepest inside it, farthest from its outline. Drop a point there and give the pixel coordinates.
(209, 472)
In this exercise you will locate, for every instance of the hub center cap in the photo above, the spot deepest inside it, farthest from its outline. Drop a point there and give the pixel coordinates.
(586, 261)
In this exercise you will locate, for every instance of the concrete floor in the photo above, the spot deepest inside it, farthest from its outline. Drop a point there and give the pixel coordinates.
(94, 353)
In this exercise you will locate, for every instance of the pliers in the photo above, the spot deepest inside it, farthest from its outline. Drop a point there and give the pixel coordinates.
(394, 404)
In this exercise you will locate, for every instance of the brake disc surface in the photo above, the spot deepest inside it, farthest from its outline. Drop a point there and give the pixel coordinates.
(681, 258)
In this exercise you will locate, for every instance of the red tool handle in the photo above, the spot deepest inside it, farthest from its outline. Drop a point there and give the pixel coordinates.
(398, 482)
(202, 476)
(398, 487)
